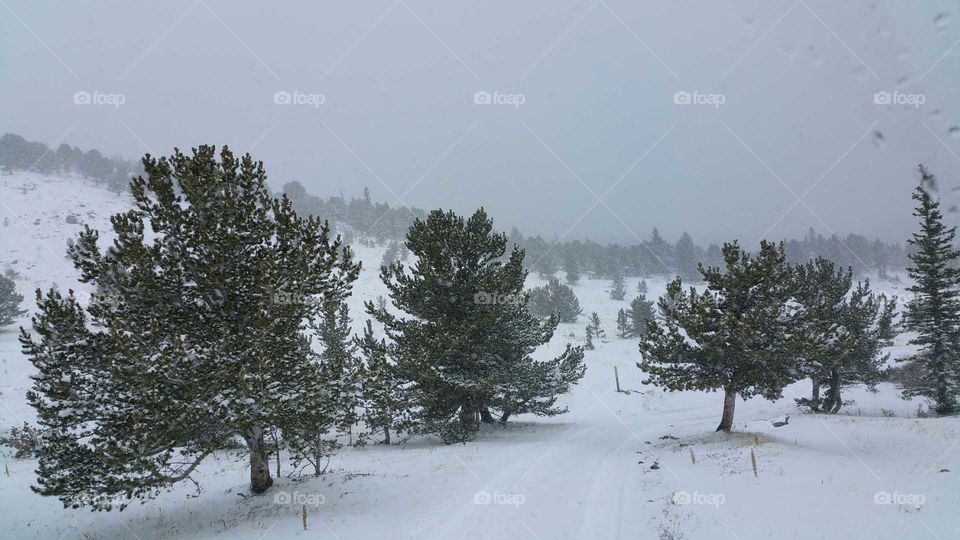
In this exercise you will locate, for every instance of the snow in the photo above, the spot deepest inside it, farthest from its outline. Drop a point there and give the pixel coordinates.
(586, 474)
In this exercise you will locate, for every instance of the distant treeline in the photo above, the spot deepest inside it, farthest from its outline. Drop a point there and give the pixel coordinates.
(19, 154)
(363, 220)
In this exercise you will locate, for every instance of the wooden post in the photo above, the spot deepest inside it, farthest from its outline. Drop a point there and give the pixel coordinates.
(616, 375)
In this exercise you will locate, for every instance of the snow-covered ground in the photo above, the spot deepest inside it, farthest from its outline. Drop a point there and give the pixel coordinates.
(643, 464)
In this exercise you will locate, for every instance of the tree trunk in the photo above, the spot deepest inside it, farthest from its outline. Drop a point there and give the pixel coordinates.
(260, 480)
(505, 416)
(386, 435)
(485, 416)
(833, 402)
(815, 396)
(468, 415)
(729, 404)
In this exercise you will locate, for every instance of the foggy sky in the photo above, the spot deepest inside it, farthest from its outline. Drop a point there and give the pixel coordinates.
(597, 119)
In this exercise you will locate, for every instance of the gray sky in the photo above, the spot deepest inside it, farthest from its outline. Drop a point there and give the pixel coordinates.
(596, 80)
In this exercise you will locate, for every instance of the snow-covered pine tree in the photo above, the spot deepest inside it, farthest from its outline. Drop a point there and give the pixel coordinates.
(391, 254)
(686, 260)
(466, 344)
(618, 288)
(554, 298)
(595, 323)
(386, 400)
(934, 311)
(639, 312)
(342, 374)
(588, 338)
(838, 331)
(624, 326)
(9, 302)
(572, 268)
(732, 337)
(533, 387)
(193, 339)
(642, 287)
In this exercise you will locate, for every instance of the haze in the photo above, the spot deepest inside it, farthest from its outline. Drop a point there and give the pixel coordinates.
(586, 140)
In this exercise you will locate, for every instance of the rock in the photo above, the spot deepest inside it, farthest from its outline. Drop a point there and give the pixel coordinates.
(72, 219)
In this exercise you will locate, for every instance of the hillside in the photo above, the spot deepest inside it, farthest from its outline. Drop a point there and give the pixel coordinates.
(639, 464)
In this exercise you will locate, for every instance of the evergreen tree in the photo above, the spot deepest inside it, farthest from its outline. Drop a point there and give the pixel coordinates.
(588, 338)
(572, 267)
(637, 315)
(554, 298)
(386, 400)
(839, 332)
(595, 323)
(686, 262)
(618, 288)
(660, 251)
(732, 337)
(193, 338)
(463, 356)
(624, 326)
(934, 311)
(642, 287)
(9, 302)
(391, 254)
(342, 373)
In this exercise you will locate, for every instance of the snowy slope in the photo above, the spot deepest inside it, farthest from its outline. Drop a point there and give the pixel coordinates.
(587, 474)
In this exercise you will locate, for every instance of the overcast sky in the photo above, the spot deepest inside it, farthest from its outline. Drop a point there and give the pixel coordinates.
(583, 137)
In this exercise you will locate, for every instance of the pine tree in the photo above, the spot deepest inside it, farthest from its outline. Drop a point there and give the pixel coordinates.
(391, 254)
(572, 267)
(463, 354)
(554, 298)
(618, 288)
(9, 302)
(839, 331)
(588, 338)
(642, 287)
(934, 311)
(193, 338)
(637, 315)
(342, 373)
(686, 262)
(624, 326)
(595, 323)
(386, 400)
(732, 337)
